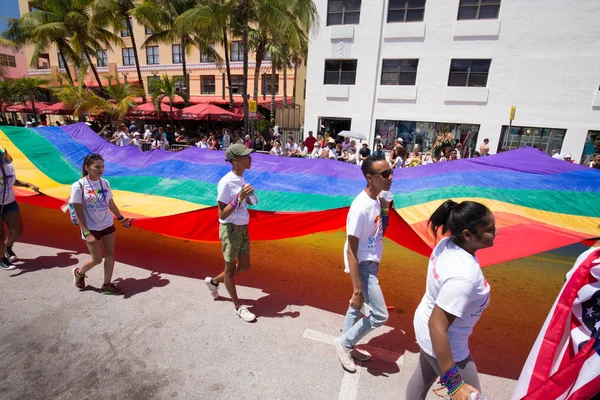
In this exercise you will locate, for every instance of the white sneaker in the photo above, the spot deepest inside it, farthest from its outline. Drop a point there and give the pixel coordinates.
(345, 357)
(244, 314)
(212, 289)
(360, 355)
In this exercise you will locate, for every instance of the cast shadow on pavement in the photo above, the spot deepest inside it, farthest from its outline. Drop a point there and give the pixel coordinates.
(60, 260)
(133, 286)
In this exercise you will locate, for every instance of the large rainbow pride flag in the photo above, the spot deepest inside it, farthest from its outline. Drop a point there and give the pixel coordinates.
(540, 203)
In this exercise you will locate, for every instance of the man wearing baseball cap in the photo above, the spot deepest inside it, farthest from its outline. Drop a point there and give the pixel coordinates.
(233, 196)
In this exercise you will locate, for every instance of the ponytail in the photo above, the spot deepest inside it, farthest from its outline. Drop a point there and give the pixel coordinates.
(455, 218)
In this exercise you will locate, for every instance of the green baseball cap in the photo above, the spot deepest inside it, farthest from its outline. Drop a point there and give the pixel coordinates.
(236, 150)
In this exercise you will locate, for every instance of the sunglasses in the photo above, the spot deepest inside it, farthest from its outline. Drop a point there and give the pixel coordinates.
(385, 174)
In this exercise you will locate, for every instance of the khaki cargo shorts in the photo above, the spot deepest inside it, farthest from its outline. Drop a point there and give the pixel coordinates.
(234, 241)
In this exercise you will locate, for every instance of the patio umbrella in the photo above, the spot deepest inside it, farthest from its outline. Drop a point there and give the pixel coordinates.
(147, 111)
(353, 135)
(59, 108)
(20, 108)
(207, 112)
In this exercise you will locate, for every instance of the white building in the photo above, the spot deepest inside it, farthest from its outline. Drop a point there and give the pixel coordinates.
(415, 68)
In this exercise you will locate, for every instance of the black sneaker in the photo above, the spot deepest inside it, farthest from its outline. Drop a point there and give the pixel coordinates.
(10, 254)
(6, 265)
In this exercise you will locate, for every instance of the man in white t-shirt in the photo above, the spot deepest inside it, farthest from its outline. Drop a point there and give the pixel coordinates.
(365, 227)
(233, 196)
(226, 139)
(291, 148)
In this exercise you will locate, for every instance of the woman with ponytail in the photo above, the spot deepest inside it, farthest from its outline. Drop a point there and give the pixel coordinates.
(456, 295)
(92, 200)
(9, 210)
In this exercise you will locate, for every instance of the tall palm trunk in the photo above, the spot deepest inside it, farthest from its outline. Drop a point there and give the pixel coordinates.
(294, 86)
(135, 54)
(273, 70)
(32, 97)
(260, 54)
(285, 86)
(95, 72)
(185, 78)
(64, 60)
(246, 17)
(227, 66)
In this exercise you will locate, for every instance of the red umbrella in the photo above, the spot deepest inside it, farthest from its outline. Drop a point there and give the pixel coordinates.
(27, 107)
(147, 111)
(207, 112)
(57, 109)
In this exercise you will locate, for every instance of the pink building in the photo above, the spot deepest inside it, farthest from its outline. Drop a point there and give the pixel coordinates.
(14, 63)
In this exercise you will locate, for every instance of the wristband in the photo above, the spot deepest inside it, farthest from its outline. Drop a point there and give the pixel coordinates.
(384, 209)
(121, 218)
(235, 202)
(85, 233)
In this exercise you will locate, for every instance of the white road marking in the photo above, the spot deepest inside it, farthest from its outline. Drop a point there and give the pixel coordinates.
(349, 388)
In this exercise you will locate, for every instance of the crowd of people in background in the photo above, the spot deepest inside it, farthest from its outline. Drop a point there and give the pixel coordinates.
(150, 137)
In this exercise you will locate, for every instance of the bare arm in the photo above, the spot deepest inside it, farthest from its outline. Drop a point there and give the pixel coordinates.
(115, 210)
(225, 210)
(352, 255)
(27, 185)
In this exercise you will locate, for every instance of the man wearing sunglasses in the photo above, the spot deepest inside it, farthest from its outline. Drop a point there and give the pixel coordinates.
(365, 226)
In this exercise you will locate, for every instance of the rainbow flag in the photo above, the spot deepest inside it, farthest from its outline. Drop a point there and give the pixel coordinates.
(540, 203)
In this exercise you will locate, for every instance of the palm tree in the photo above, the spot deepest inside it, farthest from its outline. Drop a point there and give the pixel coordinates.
(160, 16)
(29, 89)
(77, 96)
(7, 92)
(42, 27)
(121, 98)
(212, 16)
(89, 34)
(115, 13)
(161, 88)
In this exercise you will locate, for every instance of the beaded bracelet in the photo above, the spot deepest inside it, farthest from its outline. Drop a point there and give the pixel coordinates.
(452, 380)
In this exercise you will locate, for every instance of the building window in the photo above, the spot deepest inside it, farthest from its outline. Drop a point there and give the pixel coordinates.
(181, 85)
(237, 84)
(472, 73)
(148, 31)
(424, 134)
(206, 57)
(101, 58)
(266, 84)
(7, 60)
(478, 9)
(152, 55)
(591, 147)
(340, 72)
(43, 61)
(61, 64)
(176, 50)
(125, 32)
(343, 12)
(399, 72)
(128, 56)
(237, 51)
(406, 10)
(545, 139)
(208, 84)
(153, 80)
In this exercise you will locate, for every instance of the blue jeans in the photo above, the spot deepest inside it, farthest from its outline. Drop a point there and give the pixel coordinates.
(356, 327)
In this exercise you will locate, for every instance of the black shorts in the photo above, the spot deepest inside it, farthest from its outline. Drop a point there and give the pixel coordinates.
(9, 208)
(99, 234)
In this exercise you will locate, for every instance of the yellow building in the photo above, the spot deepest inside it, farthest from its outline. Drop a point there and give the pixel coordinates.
(207, 80)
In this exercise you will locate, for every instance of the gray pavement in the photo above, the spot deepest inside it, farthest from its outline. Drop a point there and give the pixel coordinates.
(167, 339)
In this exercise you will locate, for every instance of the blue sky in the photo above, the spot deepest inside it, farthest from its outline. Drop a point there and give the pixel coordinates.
(10, 8)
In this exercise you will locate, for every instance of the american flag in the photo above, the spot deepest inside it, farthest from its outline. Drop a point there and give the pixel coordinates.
(564, 363)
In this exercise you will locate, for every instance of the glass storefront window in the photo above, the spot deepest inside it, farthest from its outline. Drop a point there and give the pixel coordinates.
(330, 127)
(545, 139)
(424, 134)
(591, 147)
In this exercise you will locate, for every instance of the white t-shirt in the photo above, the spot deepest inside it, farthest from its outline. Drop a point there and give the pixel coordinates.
(364, 222)
(6, 184)
(147, 134)
(229, 187)
(558, 156)
(125, 139)
(276, 151)
(202, 145)
(95, 200)
(226, 140)
(316, 153)
(136, 142)
(289, 149)
(157, 143)
(456, 284)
